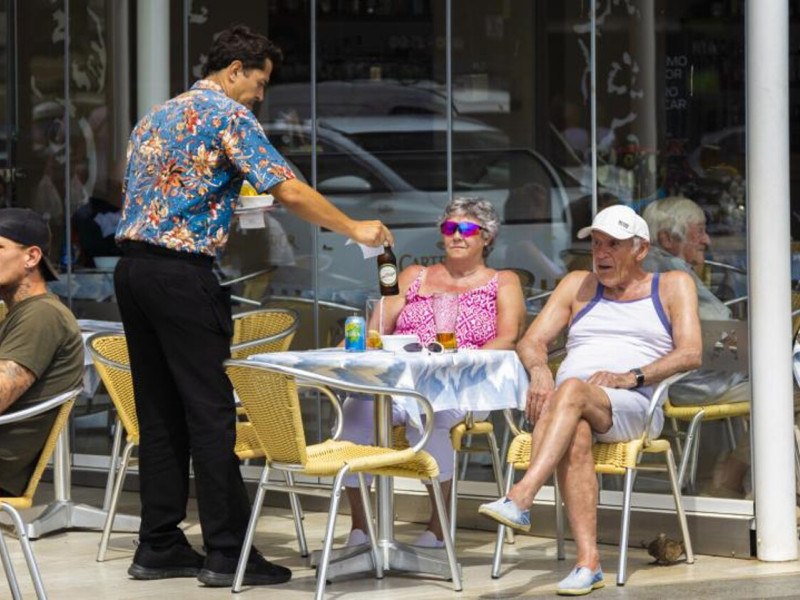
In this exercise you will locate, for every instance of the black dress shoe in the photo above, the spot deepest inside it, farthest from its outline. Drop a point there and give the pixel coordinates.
(164, 563)
(219, 570)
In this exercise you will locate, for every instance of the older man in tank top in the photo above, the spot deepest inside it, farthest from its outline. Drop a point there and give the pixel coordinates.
(628, 329)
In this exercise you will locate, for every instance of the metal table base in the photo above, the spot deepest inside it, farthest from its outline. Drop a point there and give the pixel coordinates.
(395, 555)
(63, 513)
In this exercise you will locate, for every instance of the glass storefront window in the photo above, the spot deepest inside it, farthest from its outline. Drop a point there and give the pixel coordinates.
(666, 119)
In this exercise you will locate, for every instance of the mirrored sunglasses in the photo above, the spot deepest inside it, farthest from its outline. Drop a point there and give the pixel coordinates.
(433, 347)
(465, 228)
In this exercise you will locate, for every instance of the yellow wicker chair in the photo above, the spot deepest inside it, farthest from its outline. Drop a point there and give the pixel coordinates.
(694, 416)
(11, 504)
(612, 459)
(330, 322)
(269, 395)
(110, 356)
(263, 330)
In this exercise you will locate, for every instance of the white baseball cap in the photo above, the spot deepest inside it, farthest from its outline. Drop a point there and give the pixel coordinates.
(618, 221)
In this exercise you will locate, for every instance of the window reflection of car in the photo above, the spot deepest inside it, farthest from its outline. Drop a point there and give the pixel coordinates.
(395, 169)
(353, 97)
(382, 97)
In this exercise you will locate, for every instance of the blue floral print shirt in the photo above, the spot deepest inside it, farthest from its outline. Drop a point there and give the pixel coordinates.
(187, 159)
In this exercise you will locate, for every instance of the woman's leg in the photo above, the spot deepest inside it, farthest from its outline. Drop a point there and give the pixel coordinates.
(441, 448)
(358, 426)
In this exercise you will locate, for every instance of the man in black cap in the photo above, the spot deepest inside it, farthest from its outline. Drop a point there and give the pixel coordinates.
(41, 351)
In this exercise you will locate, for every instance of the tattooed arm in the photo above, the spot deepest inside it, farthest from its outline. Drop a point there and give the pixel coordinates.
(14, 381)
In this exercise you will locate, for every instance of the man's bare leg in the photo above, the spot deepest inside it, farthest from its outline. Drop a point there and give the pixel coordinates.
(574, 400)
(578, 483)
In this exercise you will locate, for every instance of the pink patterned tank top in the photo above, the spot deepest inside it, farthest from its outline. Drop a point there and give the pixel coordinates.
(477, 315)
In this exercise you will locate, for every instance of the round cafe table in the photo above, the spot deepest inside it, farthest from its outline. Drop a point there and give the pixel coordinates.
(476, 380)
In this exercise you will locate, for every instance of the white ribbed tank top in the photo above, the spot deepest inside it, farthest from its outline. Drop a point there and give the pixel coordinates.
(616, 336)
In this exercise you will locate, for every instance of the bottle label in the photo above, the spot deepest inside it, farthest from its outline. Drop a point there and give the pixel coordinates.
(387, 275)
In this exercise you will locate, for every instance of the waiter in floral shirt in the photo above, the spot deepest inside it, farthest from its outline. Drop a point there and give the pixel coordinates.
(187, 159)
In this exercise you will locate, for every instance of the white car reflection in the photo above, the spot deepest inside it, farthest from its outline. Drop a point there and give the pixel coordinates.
(395, 169)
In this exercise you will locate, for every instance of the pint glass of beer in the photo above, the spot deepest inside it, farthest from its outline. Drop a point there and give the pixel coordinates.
(445, 315)
(375, 326)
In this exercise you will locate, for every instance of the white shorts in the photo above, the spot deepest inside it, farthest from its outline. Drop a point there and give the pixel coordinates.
(628, 416)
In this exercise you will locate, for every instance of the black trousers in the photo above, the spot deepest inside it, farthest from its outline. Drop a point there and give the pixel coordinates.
(177, 323)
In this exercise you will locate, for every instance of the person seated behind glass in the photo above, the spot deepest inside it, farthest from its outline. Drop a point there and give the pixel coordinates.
(679, 242)
(41, 350)
(678, 231)
(491, 315)
(95, 223)
(628, 329)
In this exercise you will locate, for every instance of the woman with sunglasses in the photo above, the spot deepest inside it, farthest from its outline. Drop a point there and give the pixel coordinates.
(491, 315)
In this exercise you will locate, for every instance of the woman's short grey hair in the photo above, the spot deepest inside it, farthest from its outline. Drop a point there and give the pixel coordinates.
(479, 209)
(673, 215)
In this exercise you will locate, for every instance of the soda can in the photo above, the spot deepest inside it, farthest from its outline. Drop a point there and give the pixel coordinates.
(355, 334)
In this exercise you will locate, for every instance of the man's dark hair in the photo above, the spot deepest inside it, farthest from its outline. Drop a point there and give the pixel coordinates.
(239, 42)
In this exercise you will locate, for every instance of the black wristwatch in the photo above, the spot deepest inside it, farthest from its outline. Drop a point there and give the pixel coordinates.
(639, 377)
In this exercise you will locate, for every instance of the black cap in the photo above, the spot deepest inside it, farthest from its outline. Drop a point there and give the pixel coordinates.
(26, 227)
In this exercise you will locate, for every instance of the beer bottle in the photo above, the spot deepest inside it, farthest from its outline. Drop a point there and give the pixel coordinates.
(387, 272)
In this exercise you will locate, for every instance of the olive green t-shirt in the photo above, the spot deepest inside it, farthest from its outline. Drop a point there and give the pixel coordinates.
(42, 335)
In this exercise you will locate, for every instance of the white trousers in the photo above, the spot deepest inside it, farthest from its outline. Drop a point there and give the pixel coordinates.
(359, 428)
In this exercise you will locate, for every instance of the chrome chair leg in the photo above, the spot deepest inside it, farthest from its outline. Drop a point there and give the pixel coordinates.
(688, 448)
(797, 452)
(624, 532)
(498, 477)
(113, 464)
(731, 433)
(112, 505)
(677, 436)
(27, 551)
(8, 567)
(322, 568)
(506, 441)
(454, 499)
(676, 495)
(448, 541)
(467, 443)
(559, 518)
(695, 457)
(297, 514)
(498, 544)
(373, 538)
(255, 512)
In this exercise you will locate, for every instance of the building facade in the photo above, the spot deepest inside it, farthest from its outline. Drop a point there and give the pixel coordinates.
(390, 107)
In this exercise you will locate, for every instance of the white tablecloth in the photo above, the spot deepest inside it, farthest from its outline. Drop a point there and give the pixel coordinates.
(478, 380)
(88, 327)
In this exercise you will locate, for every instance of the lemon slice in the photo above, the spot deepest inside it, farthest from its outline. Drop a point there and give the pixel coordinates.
(247, 189)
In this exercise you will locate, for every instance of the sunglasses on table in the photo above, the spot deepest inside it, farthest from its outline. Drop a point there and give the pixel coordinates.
(465, 228)
(433, 347)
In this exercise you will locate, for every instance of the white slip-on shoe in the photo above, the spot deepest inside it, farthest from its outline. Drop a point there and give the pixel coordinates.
(505, 512)
(580, 582)
(427, 539)
(357, 538)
